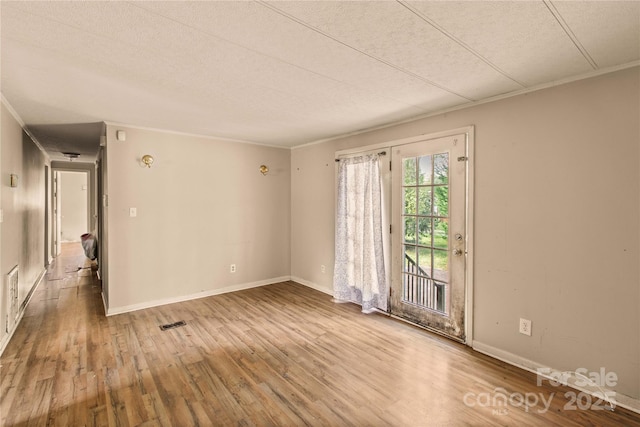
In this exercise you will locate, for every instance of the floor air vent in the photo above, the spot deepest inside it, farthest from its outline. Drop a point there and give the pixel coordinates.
(173, 325)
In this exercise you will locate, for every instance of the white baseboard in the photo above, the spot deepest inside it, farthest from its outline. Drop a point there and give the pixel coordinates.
(104, 301)
(112, 311)
(621, 400)
(23, 307)
(312, 285)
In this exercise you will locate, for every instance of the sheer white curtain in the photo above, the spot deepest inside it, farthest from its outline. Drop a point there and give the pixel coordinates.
(359, 272)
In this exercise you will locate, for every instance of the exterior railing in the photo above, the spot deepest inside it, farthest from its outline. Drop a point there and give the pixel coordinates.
(419, 288)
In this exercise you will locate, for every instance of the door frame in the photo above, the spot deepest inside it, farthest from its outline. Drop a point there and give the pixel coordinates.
(56, 213)
(90, 170)
(47, 218)
(469, 132)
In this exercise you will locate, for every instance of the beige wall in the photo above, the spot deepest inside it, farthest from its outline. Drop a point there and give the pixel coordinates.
(202, 206)
(22, 232)
(557, 216)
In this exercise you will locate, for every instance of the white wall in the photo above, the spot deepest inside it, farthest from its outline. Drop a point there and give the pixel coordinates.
(557, 220)
(22, 232)
(73, 190)
(202, 206)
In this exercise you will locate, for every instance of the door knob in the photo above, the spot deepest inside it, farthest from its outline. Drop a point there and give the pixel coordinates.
(457, 252)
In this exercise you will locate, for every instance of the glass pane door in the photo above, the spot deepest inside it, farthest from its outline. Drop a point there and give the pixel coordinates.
(428, 244)
(425, 220)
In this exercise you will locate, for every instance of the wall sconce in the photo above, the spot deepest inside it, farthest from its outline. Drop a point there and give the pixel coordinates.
(147, 160)
(264, 169)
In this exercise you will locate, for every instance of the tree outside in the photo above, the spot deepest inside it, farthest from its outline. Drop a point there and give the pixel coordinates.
(426, 210)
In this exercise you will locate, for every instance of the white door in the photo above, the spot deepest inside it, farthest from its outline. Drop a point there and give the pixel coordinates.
(46, 216)
(429, 235)
(57, 209)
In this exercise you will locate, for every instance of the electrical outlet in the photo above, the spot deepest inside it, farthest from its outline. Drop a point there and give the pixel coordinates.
(525, 326)
(133, 212)
(323, 269)
(232, 268)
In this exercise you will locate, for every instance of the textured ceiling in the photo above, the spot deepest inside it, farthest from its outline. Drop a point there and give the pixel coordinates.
(288, 73)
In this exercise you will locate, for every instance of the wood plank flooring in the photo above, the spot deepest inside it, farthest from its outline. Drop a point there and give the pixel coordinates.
(279, 355)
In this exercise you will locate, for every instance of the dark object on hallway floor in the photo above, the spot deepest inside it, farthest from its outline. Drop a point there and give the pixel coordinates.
(90, 245)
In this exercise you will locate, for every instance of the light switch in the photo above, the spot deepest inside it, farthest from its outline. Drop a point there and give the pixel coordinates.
(1, 215)
(133, 212)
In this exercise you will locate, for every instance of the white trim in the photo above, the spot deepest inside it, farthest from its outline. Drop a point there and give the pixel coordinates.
(32, 291)
(148, 304)
(195, 135)
(37, 143)
(311, 285)
(13, 112)
(470, 192)
(364, 149)
(404, 141)
(408, 140)
(621, 400)
(15, 115)
(104, 302)
(536, 88)
(7, 338)
(505, 356)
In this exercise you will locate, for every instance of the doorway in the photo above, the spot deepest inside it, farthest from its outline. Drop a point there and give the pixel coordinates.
(430, 250)
(71, 206)
(47, 236)
(427, 205)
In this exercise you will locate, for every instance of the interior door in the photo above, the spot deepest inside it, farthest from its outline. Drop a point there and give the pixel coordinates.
(46, 216)
(429, 237)
(57, 197)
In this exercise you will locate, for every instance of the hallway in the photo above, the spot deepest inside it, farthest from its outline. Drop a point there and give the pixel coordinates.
(49, 360)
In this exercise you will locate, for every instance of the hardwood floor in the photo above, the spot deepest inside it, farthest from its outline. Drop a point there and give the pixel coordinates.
(281, 355)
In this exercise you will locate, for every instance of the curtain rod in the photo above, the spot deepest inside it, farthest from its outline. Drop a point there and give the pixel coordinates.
(382, 153)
